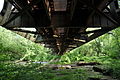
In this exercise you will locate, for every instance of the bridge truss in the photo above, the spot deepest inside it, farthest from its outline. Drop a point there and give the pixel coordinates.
(61, 24)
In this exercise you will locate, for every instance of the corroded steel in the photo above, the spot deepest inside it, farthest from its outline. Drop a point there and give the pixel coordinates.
(62, 24)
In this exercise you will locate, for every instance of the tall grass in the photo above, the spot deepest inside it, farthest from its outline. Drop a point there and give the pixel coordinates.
(16, 47)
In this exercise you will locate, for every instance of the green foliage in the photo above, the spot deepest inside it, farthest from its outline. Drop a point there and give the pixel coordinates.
(36, 72)
(104, 49)
(115, 70)
(15, 47)
(106, 46)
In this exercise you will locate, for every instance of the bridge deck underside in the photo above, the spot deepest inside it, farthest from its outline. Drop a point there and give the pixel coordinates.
(62, 24)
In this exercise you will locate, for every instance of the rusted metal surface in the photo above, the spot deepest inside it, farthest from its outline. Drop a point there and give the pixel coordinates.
(62, 24)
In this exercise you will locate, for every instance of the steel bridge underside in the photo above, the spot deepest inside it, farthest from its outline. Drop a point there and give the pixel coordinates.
(61, 24)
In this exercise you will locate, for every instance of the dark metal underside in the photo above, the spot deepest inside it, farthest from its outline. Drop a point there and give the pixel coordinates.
(62, 24)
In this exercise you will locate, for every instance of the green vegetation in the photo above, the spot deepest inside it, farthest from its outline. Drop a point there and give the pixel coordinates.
(35, 72)
(105, 50)
(13, 48)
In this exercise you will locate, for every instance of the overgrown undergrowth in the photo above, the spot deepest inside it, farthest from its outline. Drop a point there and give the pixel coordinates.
(15, 47)
(104, 50)
(36, 72)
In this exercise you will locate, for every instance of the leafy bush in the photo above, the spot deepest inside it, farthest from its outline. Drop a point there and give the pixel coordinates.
(104, 49)
(15, 47)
